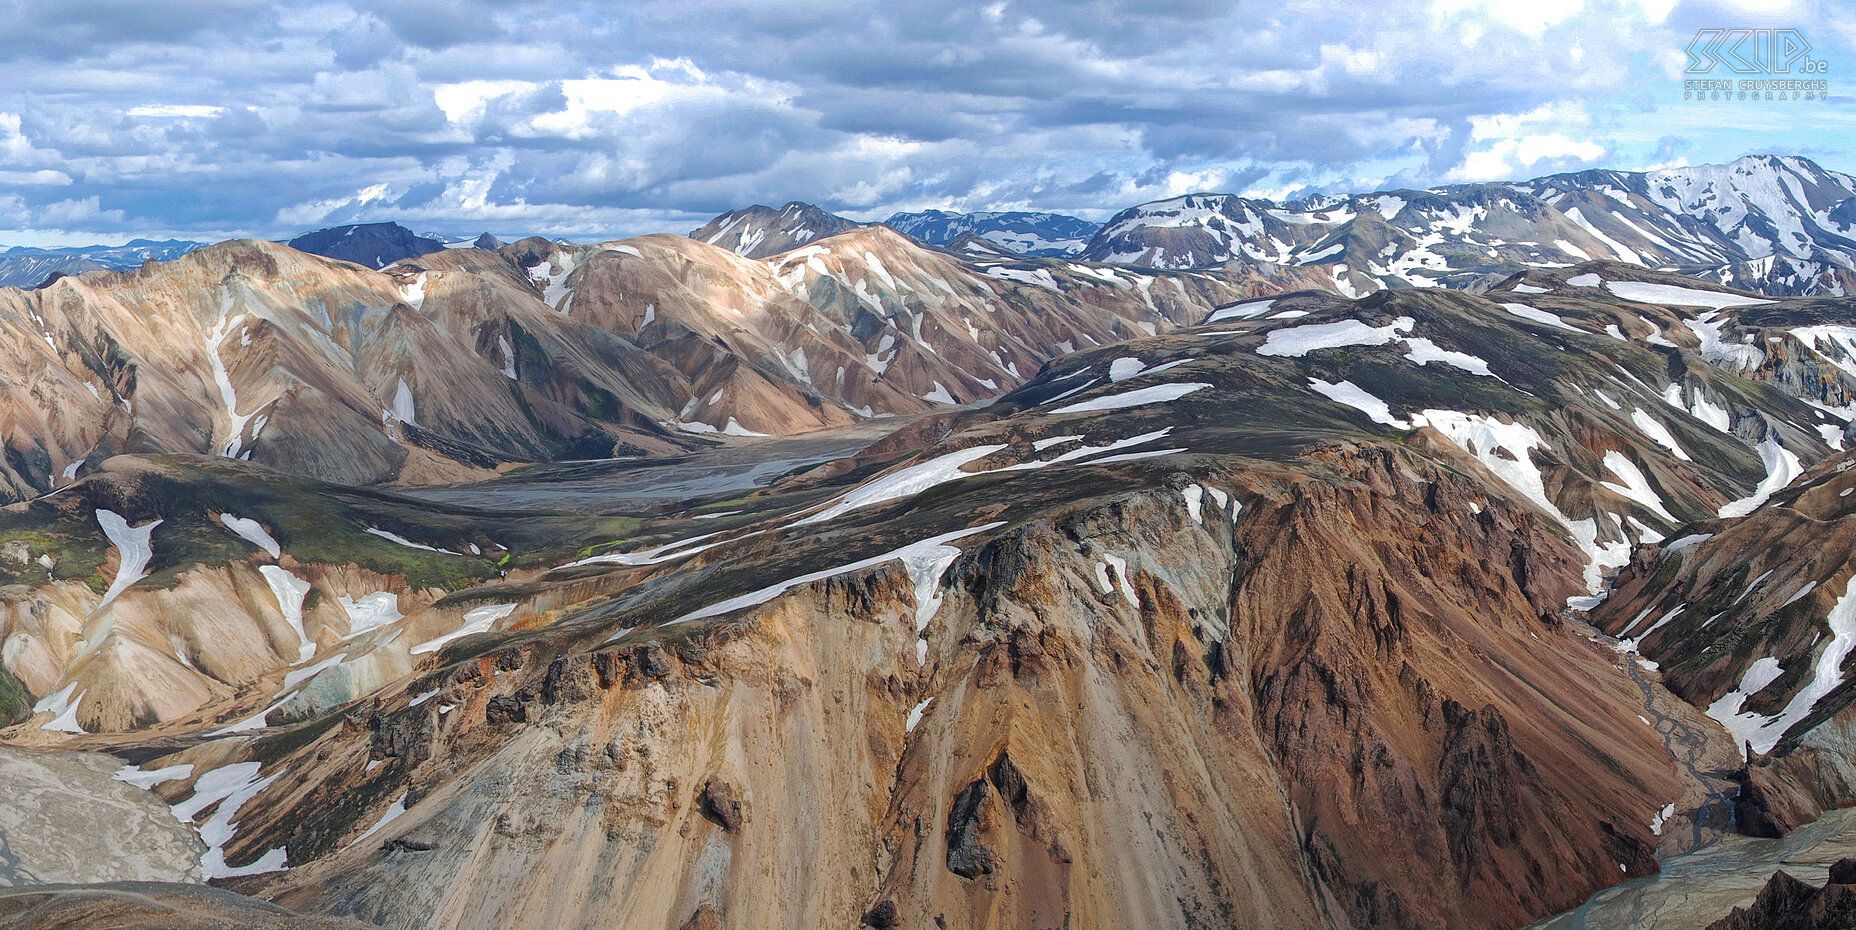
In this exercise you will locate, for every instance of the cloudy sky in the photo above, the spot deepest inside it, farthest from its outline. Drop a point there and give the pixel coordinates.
(206, 119)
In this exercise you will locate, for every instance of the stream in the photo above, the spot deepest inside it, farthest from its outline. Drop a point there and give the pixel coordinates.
(1687, 746)
(1723, 870)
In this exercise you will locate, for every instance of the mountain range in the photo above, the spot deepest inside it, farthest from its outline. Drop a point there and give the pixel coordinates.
(877, 581)
(467, 359)
(24, 266)
(1778, 225)
(1041, 235)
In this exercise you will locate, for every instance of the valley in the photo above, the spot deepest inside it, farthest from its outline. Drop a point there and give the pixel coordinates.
(798, 573)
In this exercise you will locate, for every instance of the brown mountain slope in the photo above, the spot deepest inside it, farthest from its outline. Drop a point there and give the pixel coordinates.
(1182, 632)
(468, 359)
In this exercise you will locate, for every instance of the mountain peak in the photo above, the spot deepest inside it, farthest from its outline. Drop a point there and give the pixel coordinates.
(375, 245)
(1041, 235)
(761, 231)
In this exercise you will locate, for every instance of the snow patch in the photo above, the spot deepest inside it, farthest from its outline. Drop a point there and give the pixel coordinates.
(1297, 341)
(915, 715)
(1423, 351)
(252, 532)
(1159, 393)
(763, 595)
(1541, 316)
(370, 612)
(133, 551)
(1242, 311)
(229, 787)
(1635, 487)
(393, 813)
(1656, 432)
(289, 590)
(149, 779)
(1352, 395)
(1782, 468)
(63, 707)
(1643, 292)
(1195, 497)
(479, 620)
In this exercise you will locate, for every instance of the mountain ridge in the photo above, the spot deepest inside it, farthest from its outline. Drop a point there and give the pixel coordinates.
(1038, 235)
(1307, 528)
(1768, 222)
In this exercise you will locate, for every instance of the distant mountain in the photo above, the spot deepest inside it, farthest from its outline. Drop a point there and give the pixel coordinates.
(480, 241)
(1042, 235)
(970, 246)
(760, 232)
(1781, 225)
(375, 245)
(23, 266)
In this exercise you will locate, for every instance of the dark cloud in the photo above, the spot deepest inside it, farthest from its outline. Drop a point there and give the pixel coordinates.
(55, 30)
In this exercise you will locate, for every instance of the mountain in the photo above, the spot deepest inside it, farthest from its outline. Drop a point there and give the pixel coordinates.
(467, 359)
(873, 583)
(1200, 230)
(762, 232)
(1778, 225)
(373, 245)
(1270, 620)
(1044, 235)
(1789, 904)
(480, 241)
(23, 266)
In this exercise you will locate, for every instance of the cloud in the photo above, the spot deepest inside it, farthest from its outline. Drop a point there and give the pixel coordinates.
(201, 117)
(175, 111)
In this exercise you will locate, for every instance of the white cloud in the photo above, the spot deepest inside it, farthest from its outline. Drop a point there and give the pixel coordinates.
(1524, 156)
(175, 111)
(1531, 17)
(464, 101)
(548, 118)
(42, 177)
(74, 213)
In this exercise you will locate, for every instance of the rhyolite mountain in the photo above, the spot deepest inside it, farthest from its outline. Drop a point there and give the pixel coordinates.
(792, 574)
(1271, 615)
(26, 266)
(761, 232)
(1042, 235)
(461, 360)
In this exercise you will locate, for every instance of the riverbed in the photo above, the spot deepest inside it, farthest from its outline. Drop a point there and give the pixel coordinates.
(1698, 888)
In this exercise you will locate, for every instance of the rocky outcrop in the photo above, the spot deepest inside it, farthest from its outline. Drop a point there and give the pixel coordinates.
(1789, 904)
(15, 700)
